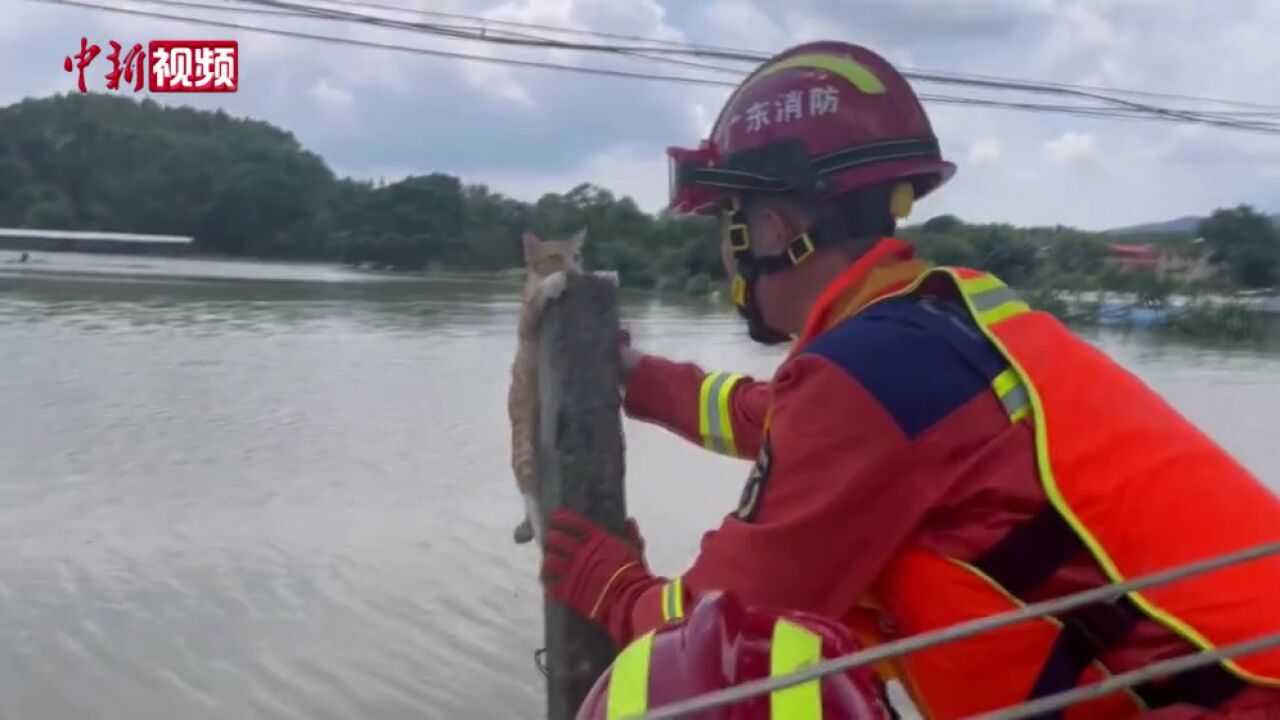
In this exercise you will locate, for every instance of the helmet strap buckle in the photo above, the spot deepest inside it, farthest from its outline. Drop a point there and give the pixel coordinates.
(739, 236)
(800, 248)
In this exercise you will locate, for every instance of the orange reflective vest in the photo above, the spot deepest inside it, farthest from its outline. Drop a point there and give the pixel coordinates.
(1128, 480)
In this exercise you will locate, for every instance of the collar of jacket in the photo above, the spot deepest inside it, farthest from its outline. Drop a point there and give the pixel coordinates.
(887, 267)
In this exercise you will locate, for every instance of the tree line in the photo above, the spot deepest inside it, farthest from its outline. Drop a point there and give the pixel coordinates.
(246, 188)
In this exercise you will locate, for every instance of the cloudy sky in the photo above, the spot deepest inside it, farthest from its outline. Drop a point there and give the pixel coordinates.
(378, 113)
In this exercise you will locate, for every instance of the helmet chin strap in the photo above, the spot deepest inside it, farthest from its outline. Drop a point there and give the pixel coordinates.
(751, 267)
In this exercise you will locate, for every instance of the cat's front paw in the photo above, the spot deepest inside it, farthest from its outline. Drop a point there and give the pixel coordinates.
(552, 286)
(610, 275)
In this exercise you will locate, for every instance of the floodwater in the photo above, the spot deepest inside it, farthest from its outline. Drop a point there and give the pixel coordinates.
(246, 490)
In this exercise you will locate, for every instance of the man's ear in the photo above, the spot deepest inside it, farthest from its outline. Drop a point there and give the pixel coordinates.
(771, 230)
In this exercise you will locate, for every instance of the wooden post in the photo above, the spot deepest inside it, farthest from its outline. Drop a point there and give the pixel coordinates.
(580, 462)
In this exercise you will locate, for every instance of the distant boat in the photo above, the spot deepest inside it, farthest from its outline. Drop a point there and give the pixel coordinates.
(1270, 304)
(1127, 314)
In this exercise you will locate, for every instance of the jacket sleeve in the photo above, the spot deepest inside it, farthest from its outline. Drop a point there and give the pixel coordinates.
(721, 411)
(821, 514)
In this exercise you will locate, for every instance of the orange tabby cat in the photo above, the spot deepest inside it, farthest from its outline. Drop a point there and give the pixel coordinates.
(547, 267)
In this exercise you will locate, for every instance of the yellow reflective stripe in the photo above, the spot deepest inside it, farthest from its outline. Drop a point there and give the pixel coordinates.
(715, 424)
(673, 600)
(629, 680)
(722, 403)
(979, 284)
(1013, 394)
(856, 73)
(1004, 312)
(793, 648)
(1005, 381)
(704, 417)
(995, 305)
(990, 299)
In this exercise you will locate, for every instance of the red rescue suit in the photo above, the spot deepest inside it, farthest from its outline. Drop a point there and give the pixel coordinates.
(934, 452)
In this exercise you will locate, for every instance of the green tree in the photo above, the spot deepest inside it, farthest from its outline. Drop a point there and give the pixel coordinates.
(1002, 251)
(1246, 243)
(947, 249)
(1151, 289)
(943, 224)
(243, 187)
(1077, 254)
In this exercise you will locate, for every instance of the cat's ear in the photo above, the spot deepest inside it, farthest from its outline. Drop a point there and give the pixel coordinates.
(578, 239)
(532, 243)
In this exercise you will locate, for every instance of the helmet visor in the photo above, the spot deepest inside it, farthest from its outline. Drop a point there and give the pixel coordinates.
(686, 196)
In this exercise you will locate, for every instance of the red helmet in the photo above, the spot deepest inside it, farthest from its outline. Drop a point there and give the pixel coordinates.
(721, 644)
(822, 118)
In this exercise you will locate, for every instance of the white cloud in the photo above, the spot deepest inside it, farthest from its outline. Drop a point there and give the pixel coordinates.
(497, 81)
(644, 16)
(626, 170)
(985, 150)
(1070, 147)
(328, 94)
(744, 24)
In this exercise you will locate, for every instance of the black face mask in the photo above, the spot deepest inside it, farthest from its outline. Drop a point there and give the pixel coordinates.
(750, 267)
(749, 309)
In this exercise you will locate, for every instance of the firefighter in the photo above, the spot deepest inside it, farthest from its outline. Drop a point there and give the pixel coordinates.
(932, 450)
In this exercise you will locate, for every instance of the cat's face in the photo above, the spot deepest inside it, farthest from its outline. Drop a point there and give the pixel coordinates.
(545, 257)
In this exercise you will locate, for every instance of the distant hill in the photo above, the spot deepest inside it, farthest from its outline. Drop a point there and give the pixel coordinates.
(1179, 226)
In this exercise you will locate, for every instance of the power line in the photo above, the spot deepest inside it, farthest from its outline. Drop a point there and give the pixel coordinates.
(1080, 110)
(1120, 113)
(481, 33)
(222, 7)
(281, 7)
(915, 643)
(482, 36)
(1133, 678)
(1119, 91)
(755, 56)
(534, 41)
(549, 28)
(452, 31)
(392, 46)
(482, 24)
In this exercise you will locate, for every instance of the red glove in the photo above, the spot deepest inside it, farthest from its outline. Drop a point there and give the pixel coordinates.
(594, 573)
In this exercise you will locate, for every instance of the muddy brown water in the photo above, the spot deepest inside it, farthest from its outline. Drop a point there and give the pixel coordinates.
(244, 490)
